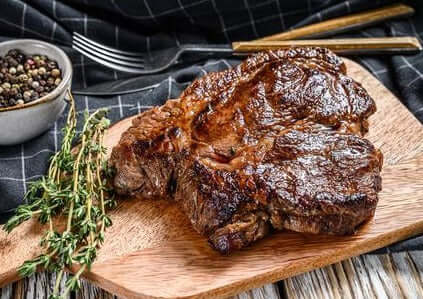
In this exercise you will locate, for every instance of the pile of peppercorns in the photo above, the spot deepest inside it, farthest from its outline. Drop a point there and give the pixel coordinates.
(26, 78)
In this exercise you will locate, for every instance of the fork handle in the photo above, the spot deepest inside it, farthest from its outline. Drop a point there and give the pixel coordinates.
(204, 48)
(346, 46)
(374, 45)
(343, 24)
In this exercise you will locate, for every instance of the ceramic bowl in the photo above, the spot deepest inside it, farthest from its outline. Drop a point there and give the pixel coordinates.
(22, 122)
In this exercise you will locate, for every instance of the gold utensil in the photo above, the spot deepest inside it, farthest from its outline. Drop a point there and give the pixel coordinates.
(343, 24)
(373, 45)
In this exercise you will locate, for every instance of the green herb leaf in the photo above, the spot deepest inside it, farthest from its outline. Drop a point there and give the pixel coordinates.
(76, 186)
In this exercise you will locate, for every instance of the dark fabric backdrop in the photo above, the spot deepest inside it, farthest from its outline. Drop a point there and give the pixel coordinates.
(148, 25)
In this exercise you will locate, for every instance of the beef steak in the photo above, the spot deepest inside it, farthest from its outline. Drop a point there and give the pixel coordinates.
(275, 142)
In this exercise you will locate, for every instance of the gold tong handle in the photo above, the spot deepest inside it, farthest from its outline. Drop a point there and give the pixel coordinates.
(343, 24)
(345, 45)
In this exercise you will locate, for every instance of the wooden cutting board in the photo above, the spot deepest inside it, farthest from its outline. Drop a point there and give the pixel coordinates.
(152, 251)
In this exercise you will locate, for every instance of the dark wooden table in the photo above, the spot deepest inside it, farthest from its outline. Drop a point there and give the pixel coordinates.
(394, 275)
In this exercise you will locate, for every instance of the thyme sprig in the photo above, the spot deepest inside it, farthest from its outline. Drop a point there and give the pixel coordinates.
(76, 187)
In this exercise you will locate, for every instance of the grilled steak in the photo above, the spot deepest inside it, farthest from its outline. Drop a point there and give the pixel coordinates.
(275, 142)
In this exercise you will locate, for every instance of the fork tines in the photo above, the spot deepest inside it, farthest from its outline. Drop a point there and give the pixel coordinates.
(120, 60)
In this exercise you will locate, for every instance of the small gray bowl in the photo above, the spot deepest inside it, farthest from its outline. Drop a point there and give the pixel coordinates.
(22, 122)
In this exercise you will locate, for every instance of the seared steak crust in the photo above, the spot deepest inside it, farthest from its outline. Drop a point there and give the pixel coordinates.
(272, 143)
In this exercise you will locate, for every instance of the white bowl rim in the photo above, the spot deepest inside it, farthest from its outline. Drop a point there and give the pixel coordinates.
(67, 73)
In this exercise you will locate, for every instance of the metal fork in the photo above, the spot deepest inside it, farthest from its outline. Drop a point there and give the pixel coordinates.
(158, 61)
(139, 63)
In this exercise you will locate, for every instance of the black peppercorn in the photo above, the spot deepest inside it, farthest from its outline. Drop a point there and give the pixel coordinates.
(20, 57)
(12, 52)
(13, 80)
(26, 78)
(12, 61)
(51, 64)
(34, 95)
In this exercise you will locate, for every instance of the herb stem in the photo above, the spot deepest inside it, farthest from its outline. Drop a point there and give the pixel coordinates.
(100, 156)
(57, 283)
(75, 185)
(90, 194)
(75, 278)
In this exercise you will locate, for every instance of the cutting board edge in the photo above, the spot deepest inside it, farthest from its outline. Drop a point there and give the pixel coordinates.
(9, 277)
(256, 281)
(272, 276)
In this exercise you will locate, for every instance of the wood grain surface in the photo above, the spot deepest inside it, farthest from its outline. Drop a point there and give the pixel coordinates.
(152, 243)
(39, 286)
(394, 275)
